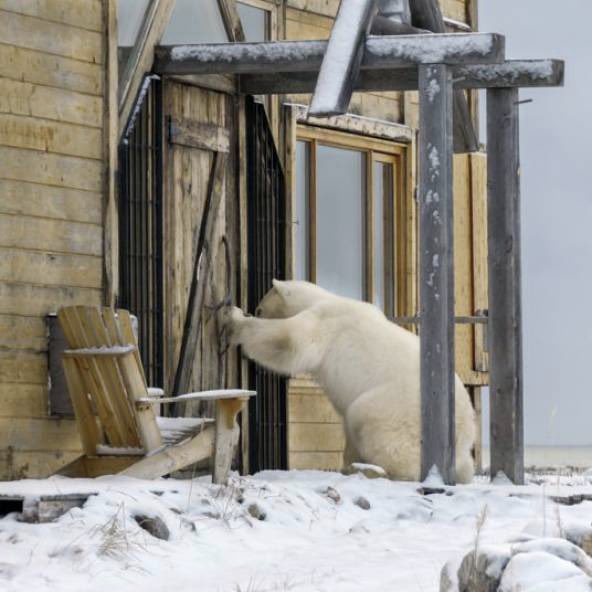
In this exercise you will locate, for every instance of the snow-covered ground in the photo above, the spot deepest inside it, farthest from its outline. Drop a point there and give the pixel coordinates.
(279, 531)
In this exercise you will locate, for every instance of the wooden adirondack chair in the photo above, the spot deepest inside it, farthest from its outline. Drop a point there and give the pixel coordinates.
(119, 429)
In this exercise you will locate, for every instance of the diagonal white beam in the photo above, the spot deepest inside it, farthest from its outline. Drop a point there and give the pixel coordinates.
(341, 63)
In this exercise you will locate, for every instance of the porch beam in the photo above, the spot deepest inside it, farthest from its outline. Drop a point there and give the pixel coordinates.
(305, 56)
(505, 318)
(341, 63)
(436, 271)
(510, 74)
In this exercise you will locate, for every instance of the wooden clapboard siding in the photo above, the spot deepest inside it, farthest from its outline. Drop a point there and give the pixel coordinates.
(52, 183)
(325, 461)
(54, 38)
(84, 15)
(36, 200)
(24, 98)
(301, 24)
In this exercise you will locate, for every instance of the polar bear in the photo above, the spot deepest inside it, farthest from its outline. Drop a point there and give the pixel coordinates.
(367, 365)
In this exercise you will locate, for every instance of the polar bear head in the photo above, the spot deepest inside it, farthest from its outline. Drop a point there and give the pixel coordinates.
(286, 299)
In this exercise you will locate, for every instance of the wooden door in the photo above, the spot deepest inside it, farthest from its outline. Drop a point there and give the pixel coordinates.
(198, 123)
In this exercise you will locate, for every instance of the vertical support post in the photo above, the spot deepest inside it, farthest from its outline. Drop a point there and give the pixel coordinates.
(505, 319)
(436, 271)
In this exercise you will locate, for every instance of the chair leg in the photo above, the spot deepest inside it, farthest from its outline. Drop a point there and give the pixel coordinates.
(227, 433)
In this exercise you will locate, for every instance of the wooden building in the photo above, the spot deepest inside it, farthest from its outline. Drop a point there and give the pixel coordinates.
(105, 172)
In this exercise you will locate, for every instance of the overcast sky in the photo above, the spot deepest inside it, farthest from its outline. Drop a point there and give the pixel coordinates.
(556, 157)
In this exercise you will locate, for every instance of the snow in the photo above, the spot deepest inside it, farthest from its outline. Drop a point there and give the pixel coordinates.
(297, 530)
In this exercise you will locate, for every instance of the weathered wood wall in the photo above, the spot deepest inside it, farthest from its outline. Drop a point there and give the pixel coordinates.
(52, 88)
(316, 438)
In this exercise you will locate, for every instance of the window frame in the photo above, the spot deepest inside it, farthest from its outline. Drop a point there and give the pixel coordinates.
(398, 216)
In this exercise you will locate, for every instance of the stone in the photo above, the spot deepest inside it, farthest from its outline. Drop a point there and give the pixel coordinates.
(154, 526)
(482, 571)
(256, 511)
(362, 502)
(332, 494)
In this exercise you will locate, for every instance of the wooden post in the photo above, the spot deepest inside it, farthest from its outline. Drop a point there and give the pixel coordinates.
(436, 271)
(505, 322)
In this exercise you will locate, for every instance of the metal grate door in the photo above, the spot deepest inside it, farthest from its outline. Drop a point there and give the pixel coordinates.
(266, 260)
(140, 226)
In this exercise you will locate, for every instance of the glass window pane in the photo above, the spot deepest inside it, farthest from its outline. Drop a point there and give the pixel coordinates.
(340, 220)
(255, 22)
(301, 234)
(130, 14)
(378, 231)
(195, 21)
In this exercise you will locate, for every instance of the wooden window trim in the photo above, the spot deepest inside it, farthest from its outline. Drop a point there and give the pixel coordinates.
(401, 217)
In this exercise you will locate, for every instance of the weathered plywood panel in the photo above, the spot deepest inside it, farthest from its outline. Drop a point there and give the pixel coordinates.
(32, 199)
(311, 408)
(30, 300)
(23, 400)
(17, 332)
(33, 464)
(24, 98)
(50, 269)
(316, 437)
(50, 169)
(324, 461)
(455, 9)
(54, 38)
(23, 366)
(52, 235)
(41, 68)
(51, 136)
(86, 14)
(35, 433)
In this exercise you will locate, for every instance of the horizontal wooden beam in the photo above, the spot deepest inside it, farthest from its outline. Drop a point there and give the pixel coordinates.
(305, 56)
(511, 74)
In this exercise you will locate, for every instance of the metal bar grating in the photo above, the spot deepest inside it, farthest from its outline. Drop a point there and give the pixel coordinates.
(266, 259)
(141, 227)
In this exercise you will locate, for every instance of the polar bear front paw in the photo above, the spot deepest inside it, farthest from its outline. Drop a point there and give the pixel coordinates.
(231, 319)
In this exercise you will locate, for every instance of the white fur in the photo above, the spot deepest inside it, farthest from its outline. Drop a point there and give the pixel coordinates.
(368, 366)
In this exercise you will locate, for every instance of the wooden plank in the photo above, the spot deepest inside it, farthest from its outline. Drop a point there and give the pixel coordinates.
(343, 56)
(325, 461)
(23, 333)
(50, 136)
(85, 15)
(37, 464)
(23, 400)
(141, 58)
(231, 19)
(41, 68)
(24, 98)
(50, 269)
(20, 433)
(322, 7)
(55, 38)
(505, 318)
(33, 199)
(32, 300)
(480, 275)
(23, 367)
(194, 134)
(96, 466)
(227, 433)
(513, 73)
(436, 271)
(316, 437)
(305, 56)
(58, 236)
(50, 169)
(202, 259)
(311, 409)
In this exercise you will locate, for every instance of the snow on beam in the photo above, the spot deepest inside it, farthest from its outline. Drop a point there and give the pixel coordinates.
(304, 56)
(513, 73)
(341, 64)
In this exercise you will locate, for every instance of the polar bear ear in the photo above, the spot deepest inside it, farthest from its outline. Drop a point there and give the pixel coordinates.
(281, 288)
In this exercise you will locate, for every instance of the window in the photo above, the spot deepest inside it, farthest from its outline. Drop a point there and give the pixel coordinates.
(348, 214)
(195, 21)
(256, 21)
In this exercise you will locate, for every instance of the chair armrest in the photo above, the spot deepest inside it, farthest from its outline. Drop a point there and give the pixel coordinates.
(200, 396)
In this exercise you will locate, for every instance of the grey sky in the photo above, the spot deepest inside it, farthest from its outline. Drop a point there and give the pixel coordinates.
(556, 156)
